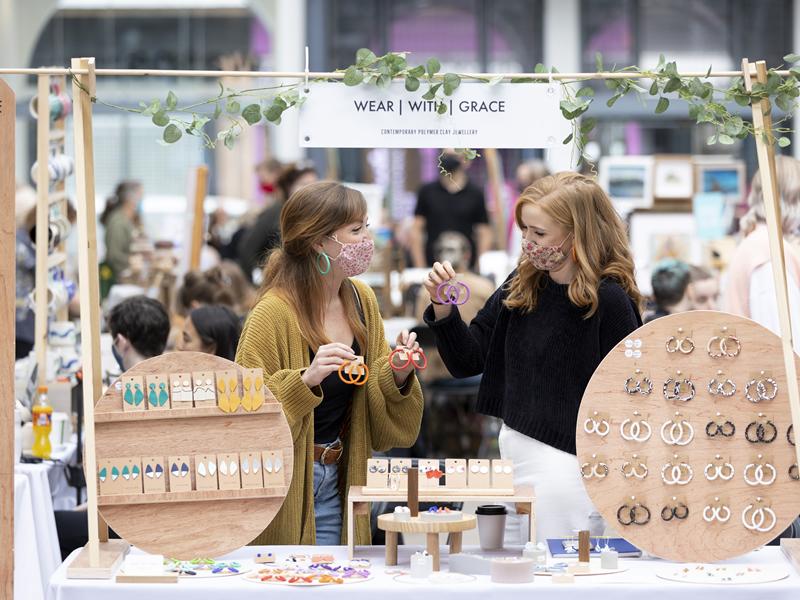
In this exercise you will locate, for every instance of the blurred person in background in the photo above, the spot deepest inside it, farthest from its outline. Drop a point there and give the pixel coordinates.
(213, 329)
(265, 235)
(703, 289)
(529, 172)
(121, 220)
(451, 203)
(25, 215)
(225, 284)
(139, 329)
(669, 280)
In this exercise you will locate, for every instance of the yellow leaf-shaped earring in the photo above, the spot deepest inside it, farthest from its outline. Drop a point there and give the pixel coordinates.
(235, 401)
(222, 397)
(258, 394)
(247, 397)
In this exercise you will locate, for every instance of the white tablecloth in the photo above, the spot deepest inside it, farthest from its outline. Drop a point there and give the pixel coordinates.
(64, 497)
(42, 529)
(638, 582)
(27, 571)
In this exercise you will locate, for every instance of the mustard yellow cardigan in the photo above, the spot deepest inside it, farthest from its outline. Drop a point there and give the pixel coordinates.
(382, 416)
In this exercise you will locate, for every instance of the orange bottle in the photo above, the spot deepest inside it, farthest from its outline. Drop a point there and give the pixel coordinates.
(42, 424)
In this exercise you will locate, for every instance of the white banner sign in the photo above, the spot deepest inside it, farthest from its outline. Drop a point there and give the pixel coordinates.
(505, 115)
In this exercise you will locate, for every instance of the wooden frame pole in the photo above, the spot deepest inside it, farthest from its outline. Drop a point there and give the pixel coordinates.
(41, 316)
(765, 147)
(7, 324)
(200, 187)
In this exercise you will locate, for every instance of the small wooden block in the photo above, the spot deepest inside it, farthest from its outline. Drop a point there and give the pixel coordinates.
(425, 466)
(154, 472)
(133, 396)
(229, 394)
(182, 391)
(158, 387)
(584, 546)
(252, 473)
(205, 472)
(377, 473)
(479, 475)
(252, 389)
(131, 477)
(203, 388)
(229, 472)
(403, 464)
(455, 473)
(274, 468)
(180, 474)
(503, 474)
(264, 558)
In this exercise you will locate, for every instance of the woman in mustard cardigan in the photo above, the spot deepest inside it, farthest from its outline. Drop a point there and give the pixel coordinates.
(310, 319)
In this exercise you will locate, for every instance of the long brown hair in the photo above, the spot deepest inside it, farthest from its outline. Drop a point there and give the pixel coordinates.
(600, 243)
(310, 214)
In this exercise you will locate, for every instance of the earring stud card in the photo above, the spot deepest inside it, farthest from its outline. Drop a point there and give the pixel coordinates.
(230, 477)
(252, 389)
(479, 475)
(158, 388)
(502, 474)
(205, 472)
(399, 469)
(274, 468)
(180, 475)
(455, 473)
(182, 390)
(154, 474)
(378, 473)
(229, 397)
(252, 471)
(203, 386)
(429, 473)
(108, 475)
(131, 475)
(133, 393)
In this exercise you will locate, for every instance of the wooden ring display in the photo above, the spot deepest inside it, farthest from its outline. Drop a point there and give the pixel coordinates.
(693, 539)
(212, 522)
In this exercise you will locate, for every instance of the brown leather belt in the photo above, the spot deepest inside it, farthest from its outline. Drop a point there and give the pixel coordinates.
(327, 455)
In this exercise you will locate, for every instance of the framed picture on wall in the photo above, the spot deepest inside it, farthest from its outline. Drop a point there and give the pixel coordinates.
(673, 177)
(727, 178)
(628, 180)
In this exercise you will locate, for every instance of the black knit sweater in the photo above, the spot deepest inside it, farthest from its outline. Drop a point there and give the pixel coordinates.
(535, 366)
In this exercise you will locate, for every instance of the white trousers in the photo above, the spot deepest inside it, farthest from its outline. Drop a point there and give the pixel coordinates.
(562, 505)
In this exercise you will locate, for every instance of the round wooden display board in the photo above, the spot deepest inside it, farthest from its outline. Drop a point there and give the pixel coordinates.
(211, 523)
(692, 539)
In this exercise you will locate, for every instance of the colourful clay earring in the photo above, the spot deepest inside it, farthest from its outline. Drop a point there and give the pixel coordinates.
(159, 471)
(163, 396)
(128, 397)
(135, 471)
(322, 256)
(174, 470)
(184, 470)
(152, 397)
(258, 397)
(126, 474)
(114, 473)
(148, 471)
(222, 397)
(247, 398)
(138, 396)
(102, 475)
(235, 401)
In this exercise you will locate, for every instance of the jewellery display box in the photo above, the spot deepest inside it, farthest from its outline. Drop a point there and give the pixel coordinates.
(173, 471)
(684, 438)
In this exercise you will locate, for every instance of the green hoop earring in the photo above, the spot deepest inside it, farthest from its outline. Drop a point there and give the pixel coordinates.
(327, 269)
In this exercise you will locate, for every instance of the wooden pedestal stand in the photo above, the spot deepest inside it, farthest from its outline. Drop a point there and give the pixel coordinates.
(432, 529)
(7, 320)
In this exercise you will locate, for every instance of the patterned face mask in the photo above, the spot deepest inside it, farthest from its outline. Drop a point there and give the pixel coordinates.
(354, 257)
(544, 258)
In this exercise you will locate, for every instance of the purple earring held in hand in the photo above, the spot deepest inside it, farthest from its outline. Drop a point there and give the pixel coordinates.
(451, 293)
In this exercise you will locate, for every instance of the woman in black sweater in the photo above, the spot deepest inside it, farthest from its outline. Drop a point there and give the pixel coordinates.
(542, 334)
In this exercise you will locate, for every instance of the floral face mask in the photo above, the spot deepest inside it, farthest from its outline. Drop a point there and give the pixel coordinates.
(354, 257)
(545, 258)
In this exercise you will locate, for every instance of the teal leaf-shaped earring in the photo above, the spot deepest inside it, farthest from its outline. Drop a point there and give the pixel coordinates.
(135, 471)
(128, 397)
(138, 396)
(163, 396)
(126, 474)
(114, 473)
(152, 397)
(103, 474)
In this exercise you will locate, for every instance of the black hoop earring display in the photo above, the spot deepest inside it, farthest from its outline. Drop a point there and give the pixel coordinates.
(705, 432)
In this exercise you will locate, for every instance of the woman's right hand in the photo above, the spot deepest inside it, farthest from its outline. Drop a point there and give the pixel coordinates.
(327, 360)
(440, 273)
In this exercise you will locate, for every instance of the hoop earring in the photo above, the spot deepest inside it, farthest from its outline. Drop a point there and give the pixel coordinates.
(321, 255)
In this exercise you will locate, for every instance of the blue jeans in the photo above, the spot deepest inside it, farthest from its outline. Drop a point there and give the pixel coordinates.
(327, 505)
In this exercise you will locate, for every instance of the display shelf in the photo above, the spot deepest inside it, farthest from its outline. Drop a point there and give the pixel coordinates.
(440, 493)
(203, 412)
(193, 496)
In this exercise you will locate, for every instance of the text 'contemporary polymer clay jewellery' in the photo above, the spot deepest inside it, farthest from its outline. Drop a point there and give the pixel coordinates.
(636, 384)
(761, 432)
(679, 343)
(723, 345)
(405, 357)
(596, 425)
(598, 470)
(675, 511)
(719, 470)
(761, 473)
(758, 518)
(676, 473)
(678, 388)
(635, 513)
(765, 388)
(450, 292)
(719, 387)
(355, 373)
(718, 512)
(635, 431)
(677, 433)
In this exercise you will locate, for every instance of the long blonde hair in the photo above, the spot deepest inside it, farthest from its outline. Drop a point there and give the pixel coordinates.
(788, 182)
(311, 213)
(600, 243)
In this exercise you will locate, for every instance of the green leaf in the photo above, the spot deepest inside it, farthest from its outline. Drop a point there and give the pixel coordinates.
(161, 119)
(352, 76)
(784, 102)
(365, 56)
(495, 80)
(694, 110)
(523, 80)
(152, 108)
(280, 102)
(712, 139)
(273, 113)
(417, 71)
(661, 62)
(673, 84)
(613, 84)
(383, 81)
(451, 82)
(792, 58)
(584, 91)
(252, 114)
(671, 69)
(613, 100)
(172, 133)
(708, 73)
(725, 139)
(539, 68)
(784, 141)
(588, 124)
(741, 100)
(442, 108)
(233, 106)
(795, 71)
(773, 81)
(654, 89)
(663, 104)
(598, 62)
(412, 84)
(431, 93)
(172, 100)
(217, 111)
(567, 139)
(432, 67)
(230, 139)
(696, 87)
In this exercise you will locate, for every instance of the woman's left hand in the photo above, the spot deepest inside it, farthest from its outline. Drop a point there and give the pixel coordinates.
(409, 341)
